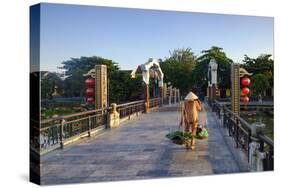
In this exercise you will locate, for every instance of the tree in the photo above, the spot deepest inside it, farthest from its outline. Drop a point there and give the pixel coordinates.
(183, 55)
(262, 65)
(200, 74)
(48, 82)
(260, 83)
(121, 86)
(178, 69)
(76, 67)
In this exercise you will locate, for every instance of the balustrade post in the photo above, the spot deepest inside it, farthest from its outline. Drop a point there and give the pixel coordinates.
(170, 95)
(213, 105)
(270, 162)
(61, 133)
(89, 126)
(222, 115)
(218, 109)
(174, 95)
(236, 132)
(161, 96)
(113, 117)
(179, 96)
(146, 97)
(224, 118)
(256, 154)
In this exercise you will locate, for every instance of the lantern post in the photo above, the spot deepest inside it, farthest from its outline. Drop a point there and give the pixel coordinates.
(90, 84)
(236, 74)
(245, 81)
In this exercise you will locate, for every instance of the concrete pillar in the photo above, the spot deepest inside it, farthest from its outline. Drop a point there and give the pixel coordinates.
(61, 134)
(161, 91)
(165, 93)
(146, 98)
(165, 90)
(209, 94)
(170, 94)
(113, 117)
(214, 93)
(161, 95)
(175, 95)
(101, 95)
(235, 88)
(255, 155)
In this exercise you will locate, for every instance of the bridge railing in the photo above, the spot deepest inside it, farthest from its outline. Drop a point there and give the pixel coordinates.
(266, 105)
(267, 147)
(165, 100)
(239, 129)
(56, 132)
(242, 132)
(154, 102)
(128, 109)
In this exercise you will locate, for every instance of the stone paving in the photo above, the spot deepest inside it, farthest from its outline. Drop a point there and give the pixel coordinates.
(139, 150)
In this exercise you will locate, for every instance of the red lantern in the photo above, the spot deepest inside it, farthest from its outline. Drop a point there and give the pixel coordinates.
(246, 81)
(90, 91)
(246, 99)
(90, 82)
(90, 100)
(245, 90)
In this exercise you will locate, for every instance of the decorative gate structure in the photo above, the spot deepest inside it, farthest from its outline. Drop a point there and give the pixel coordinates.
(212, 79)
(145, 69)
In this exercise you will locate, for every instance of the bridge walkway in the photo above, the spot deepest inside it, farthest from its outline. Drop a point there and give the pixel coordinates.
(138, 149)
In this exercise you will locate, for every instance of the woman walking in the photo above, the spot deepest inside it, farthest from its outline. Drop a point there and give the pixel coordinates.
(189, 115)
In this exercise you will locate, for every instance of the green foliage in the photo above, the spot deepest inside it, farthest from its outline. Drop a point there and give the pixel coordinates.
(182, 69)
(121, 86)
(58, 111)
(179, 135)
(178, 69)
(262, 65)
(48, 81)
(200, 74)
(183, 55)
(76, 67)
(260, 83)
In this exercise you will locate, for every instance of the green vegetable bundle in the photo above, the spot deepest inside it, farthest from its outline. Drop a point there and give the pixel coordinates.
(179, 137)
(202, 134)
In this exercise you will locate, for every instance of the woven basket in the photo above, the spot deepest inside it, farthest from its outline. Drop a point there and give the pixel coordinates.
(202, 138)
(179, 142)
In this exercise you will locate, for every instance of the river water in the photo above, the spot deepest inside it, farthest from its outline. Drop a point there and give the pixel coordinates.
(264, 117)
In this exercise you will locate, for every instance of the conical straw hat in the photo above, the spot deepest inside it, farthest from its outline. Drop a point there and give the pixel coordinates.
(191, 96)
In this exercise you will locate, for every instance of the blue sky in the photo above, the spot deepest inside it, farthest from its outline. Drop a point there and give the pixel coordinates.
(131, 36)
